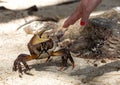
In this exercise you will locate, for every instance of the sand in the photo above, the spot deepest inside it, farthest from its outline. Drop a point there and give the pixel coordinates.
(14, 42)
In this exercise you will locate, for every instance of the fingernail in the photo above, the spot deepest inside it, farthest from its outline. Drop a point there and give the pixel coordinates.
(82, 23)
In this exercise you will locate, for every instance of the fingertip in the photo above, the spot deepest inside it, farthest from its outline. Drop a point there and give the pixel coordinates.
(65, 26)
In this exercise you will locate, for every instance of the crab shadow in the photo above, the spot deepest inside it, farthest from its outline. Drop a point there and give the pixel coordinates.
(92, 72)
(52, 65)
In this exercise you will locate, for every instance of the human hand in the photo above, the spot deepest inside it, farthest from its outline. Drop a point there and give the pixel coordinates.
(83, 11)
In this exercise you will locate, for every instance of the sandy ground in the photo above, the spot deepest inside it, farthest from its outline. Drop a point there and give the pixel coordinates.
(14, 42)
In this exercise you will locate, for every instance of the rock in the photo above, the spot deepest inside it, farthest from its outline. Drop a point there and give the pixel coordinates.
(99, 39)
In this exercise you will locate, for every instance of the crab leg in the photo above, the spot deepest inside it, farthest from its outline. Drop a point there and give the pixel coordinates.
(65, 56)
(22, 58)
(20, 68)
(72, 61)
(64, 62)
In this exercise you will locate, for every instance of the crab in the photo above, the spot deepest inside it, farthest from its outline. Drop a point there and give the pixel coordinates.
(40, 43)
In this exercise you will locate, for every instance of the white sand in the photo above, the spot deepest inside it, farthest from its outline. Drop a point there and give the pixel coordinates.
(13, 43)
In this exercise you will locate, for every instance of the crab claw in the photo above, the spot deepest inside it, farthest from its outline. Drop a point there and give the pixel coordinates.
(64, 61)
(72, 61)
(22, 58)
